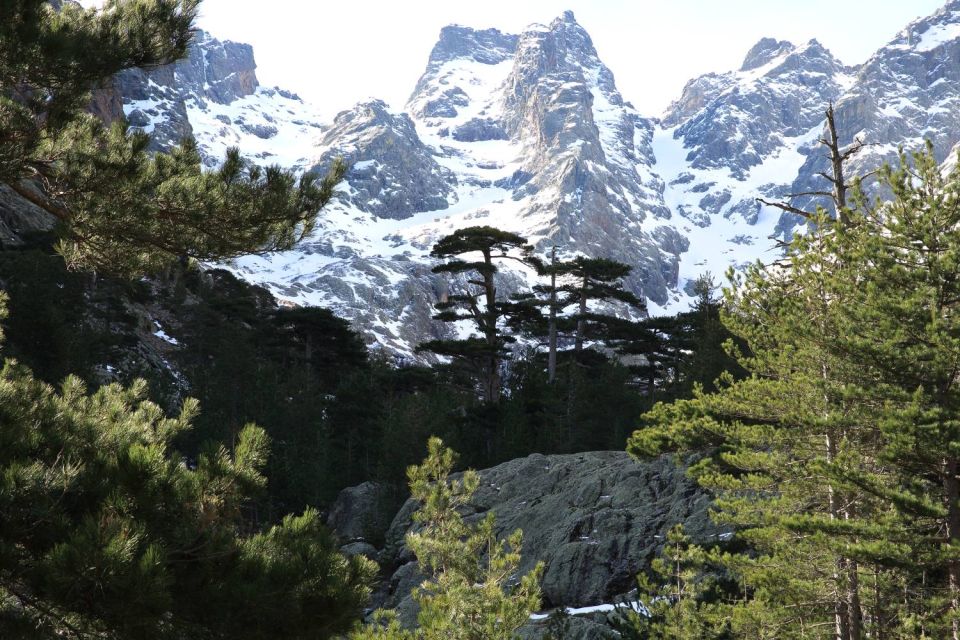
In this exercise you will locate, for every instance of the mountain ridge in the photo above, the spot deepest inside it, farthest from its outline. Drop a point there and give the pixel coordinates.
(529, 132)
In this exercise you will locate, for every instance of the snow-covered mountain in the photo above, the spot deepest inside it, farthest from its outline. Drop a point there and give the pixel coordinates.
(906, 93)
(736, 136)
(214, 95)
(528, 132)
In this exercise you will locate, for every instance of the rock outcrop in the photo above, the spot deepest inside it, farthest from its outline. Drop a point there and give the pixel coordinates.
(213, 95)
(392, 173)
(20, 218)
(595, 519)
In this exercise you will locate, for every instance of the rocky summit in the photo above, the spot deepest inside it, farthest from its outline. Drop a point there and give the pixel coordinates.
(528, 132)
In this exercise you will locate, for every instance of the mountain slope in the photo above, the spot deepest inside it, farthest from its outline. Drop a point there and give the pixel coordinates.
(737, 136)
(906, 93)
(528, 132)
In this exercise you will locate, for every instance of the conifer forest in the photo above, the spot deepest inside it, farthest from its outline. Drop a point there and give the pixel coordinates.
(511, 362)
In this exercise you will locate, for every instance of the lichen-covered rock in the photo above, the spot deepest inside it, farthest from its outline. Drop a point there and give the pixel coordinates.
(595, 519)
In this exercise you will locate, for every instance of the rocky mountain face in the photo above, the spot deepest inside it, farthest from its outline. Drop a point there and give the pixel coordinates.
(528, 132)
(594, 519)
(907, 93)
(214, 95)
(524, 132)
(736, 136)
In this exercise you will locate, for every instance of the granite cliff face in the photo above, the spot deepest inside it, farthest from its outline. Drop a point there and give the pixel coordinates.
(736, 136)
(525, 132)
(392, 173)
(528, 132)
(214, 95)
(907, 93)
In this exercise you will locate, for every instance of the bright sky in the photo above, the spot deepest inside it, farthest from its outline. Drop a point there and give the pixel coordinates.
(334, 54)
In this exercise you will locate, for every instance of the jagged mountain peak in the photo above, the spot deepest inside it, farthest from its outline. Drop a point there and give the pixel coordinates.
(734, 136)
(461, 65)
(768, 62)
(392, 174)
(932, 32)
(369, 108)
(810, 57)
(765, 50)
(567, 31)
(528, 132)
(488, 46)
(906, 94)
(567, 21)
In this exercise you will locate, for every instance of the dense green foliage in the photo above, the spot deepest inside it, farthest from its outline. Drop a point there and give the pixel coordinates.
(476, 301)
(108, 531)
(335, 416)
(121, 522)
(835, 460)
(682, 596)
(473, 592)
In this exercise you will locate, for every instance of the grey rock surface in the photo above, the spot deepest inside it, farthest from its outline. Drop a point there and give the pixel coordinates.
(19, 218)
(359, 514)
(907, 93)
(392, 173)
(214, 70)
(595, 519)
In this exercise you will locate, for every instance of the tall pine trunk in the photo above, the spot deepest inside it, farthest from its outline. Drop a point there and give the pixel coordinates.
(841, 612)
(490, 333)
(582, 322)
(951, 487)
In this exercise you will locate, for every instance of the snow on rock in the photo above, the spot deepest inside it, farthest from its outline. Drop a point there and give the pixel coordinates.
(907, 93)
(634, 606)
(528, 132)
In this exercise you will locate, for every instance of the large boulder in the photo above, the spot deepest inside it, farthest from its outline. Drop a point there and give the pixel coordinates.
(594, 519)
(360, 515)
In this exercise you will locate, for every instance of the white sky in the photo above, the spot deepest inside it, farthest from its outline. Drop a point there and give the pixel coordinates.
(334, 54)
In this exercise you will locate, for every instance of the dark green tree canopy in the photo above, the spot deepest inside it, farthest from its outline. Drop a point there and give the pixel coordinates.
(596, 279)
(478, 301)
(837, 460)
(106, 531)
(485, 239)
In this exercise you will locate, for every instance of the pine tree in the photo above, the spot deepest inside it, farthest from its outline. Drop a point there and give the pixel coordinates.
(833, 458)
(682, 598)
(107, 532)
(119, 208)
(473, 592)
(594, 280)
(477, 302)
(682, 351)
(901, 326)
